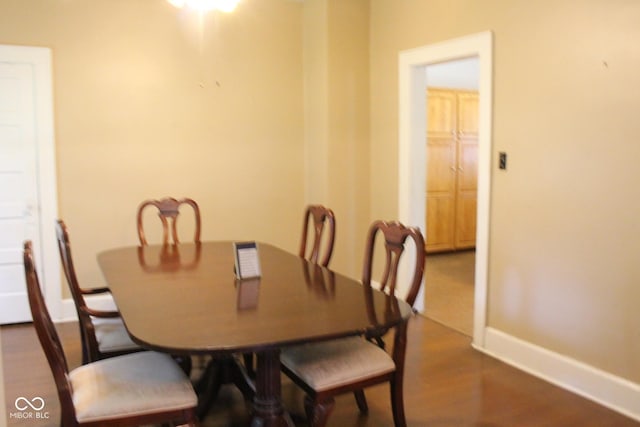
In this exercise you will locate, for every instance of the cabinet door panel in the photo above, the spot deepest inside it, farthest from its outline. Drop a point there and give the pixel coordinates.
(441, 113)
(441, 163)
(440, 223)
(468, 114)
(468, 164)
(466, 220)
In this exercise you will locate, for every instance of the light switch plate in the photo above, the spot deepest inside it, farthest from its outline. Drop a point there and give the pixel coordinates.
(503, 160)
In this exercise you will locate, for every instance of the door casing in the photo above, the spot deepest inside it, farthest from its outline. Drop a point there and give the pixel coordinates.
(412, 150)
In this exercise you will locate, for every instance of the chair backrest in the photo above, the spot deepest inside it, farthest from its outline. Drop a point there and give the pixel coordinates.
(323, 222)
(395, 235)
(48, 336)
(168, 212)
(87, 334)
(64, 247)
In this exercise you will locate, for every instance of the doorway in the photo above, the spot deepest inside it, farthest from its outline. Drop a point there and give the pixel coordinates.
(451, 193)
(412, 150)
(28, 202)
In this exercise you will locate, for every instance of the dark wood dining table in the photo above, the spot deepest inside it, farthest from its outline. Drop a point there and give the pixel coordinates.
(185, 299)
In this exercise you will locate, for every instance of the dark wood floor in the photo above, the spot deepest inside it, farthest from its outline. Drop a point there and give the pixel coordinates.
(447, 383)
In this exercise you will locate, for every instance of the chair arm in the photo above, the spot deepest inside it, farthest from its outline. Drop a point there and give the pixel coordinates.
(101, 313)
(94, 291)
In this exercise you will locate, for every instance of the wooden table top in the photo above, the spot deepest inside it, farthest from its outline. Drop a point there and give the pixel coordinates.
(186, 299)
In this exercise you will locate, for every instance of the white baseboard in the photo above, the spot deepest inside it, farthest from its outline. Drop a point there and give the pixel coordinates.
(613, 392)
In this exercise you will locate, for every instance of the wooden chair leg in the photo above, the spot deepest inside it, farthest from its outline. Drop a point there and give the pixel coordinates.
(193, 421)
(318, 412)
(83, 343)
(397, 403)
(361, 400)
(249, 365)
(208, 386)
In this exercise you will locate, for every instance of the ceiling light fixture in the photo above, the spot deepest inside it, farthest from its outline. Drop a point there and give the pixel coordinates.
(206, 5)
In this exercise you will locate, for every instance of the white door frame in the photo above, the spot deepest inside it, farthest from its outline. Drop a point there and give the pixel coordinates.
(412, 149)
(47, 257)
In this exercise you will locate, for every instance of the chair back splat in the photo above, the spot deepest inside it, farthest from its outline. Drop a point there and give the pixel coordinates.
(395, 236)
(323, 227)
(168, 212)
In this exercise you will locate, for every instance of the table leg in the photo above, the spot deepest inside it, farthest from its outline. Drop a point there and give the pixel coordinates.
(267, 402)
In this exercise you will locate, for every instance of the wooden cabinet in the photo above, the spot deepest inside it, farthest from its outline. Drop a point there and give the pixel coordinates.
(452, 169)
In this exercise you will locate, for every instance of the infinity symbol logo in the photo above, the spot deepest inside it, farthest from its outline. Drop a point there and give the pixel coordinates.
(33, 404)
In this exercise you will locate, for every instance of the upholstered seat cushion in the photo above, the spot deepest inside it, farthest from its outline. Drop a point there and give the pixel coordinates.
(112, 335)
(330, 364)
(133, 384)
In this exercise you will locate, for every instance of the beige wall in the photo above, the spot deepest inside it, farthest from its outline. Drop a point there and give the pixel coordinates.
(349, 127)
(337, 127)
(316, 110)
(151, 102)
(564, 230)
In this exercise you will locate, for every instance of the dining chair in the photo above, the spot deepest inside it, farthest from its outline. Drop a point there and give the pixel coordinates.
(327, 369)
(320, 221)
(168, 212)
(102, 332)
(128, 390)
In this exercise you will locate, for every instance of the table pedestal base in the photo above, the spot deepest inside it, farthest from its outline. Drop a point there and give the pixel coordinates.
(219, 371)
(267, 403)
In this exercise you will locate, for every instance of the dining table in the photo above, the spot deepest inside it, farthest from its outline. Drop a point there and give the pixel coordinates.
(186, 299)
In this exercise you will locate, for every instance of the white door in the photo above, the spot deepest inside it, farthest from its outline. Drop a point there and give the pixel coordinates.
(27, 181)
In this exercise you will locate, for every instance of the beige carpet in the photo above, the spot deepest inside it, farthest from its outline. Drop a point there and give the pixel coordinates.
(449, 289)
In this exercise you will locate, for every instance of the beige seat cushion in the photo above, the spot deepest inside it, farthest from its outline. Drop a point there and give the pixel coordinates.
(134, 384)
(112, 335)
(330, 364)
